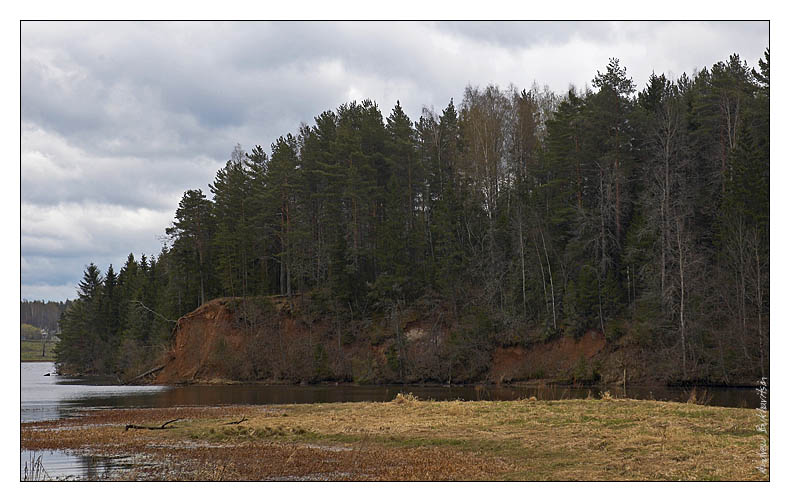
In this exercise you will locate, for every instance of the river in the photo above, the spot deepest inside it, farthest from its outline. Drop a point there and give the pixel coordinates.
(47, 396)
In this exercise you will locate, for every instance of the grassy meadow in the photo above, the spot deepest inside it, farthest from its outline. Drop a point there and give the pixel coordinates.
(408, 439)
(30, 350)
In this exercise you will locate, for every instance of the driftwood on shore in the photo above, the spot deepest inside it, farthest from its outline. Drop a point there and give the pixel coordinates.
(144, 427)
(237, 422)
(143, 375)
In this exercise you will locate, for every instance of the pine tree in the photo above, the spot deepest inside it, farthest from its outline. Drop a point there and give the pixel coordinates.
(232, 201)
(81, 349)
(110, 319)
(282, 182)
(610, 109)
(192, 233)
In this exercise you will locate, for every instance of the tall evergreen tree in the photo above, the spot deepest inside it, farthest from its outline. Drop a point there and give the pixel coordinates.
(192, 233)
(82, 345)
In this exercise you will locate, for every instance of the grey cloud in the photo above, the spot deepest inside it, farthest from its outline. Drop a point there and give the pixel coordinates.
(56, 172)
(524, 34)
(48, 291)
(58, 241)
(149, 101)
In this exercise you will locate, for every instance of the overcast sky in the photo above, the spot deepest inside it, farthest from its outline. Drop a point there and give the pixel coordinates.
(119, 119)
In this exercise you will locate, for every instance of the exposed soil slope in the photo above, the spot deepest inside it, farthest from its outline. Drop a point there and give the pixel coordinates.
(213, 343)
(565, 356)
(198, 336)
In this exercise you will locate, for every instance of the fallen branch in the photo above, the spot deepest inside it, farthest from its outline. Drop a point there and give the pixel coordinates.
(143, 375)
(138, 302)
(161, 427)
(236, 422)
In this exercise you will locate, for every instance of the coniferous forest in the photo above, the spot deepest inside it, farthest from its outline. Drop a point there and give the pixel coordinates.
(516, 217)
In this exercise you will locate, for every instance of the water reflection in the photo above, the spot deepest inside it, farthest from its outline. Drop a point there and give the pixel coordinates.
(47, 396)
(285, 394)
(52, 397)
(59, 465)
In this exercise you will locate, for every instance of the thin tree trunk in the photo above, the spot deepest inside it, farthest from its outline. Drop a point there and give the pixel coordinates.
(600, 306)
(551, 282)
(759, 309)
(243, 256)
(628, 283)
(200, 261)
(617, 176)
(682, 298)
(742, 287)
(664, 223)
(523, 268)
(617, 199)
(287, 256)
(543, 279)
(578, 172)
(603, 228)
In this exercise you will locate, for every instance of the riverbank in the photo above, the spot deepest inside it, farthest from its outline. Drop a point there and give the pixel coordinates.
(409, 439)
(294, 340)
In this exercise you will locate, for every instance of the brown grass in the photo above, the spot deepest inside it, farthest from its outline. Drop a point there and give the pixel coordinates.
(408, 439)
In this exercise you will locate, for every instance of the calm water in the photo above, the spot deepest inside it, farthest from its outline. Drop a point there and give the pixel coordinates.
(57, 465)
(52, 397)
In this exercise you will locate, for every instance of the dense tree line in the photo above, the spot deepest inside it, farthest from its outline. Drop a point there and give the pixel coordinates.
(642, 215)
(41, 314)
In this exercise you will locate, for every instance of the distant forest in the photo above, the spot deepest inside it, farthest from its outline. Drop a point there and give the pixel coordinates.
(642, 215)
(43, 315)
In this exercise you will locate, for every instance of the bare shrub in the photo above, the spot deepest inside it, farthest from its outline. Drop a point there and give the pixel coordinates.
(407, 398)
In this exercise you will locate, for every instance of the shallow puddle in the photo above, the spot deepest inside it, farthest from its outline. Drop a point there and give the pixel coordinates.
(64, 465)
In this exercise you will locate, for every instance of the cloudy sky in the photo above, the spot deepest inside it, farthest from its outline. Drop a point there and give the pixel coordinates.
(119, 119)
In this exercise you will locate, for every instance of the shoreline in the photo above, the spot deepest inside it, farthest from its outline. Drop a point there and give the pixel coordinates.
(484, 383)
(410, 439)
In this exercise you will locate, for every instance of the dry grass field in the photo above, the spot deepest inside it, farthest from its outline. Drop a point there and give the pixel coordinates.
(408, 439)
(30, 350)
